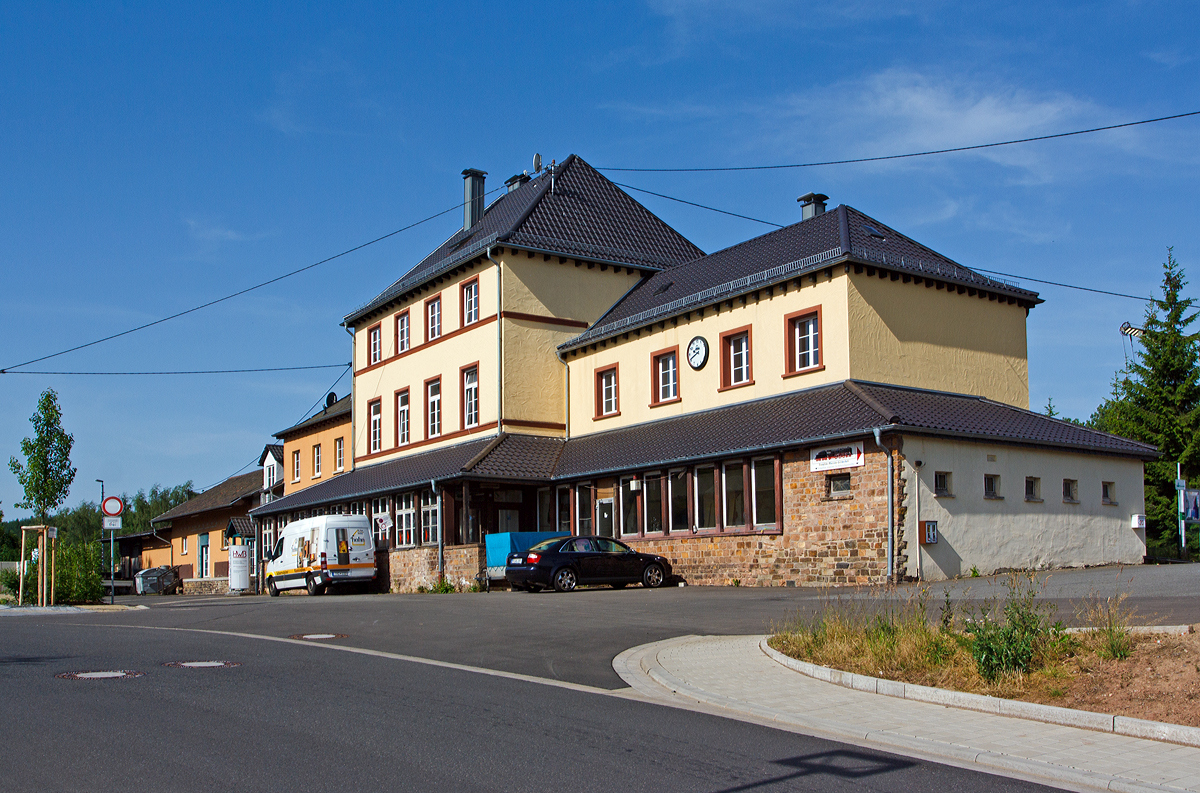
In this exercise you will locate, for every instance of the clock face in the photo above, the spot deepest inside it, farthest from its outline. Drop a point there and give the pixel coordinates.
(697, 352)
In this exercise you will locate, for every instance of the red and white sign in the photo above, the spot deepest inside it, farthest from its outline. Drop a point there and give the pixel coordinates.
(112, 507)
(831, 458)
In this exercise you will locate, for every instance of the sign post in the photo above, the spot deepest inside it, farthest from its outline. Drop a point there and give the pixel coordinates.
(111, 507)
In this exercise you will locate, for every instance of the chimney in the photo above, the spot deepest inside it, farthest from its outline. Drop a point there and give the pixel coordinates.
(472, 197)
(514, 182)
(329, 400)
(813, 204)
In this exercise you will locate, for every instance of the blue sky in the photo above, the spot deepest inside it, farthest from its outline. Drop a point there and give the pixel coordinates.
(154, 156)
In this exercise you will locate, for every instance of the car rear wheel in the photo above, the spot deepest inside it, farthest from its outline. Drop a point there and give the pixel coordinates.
(313, 587)
(565, 580)
(272, 590)
(653, 576)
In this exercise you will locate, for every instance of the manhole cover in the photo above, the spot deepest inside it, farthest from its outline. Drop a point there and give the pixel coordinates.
(201, 664)
(317, 637)
(111, 674)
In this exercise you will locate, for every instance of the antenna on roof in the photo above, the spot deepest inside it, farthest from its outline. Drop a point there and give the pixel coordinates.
(537, 163)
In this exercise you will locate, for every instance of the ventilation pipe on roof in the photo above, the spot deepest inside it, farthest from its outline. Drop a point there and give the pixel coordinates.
(514, 182)
(472, 197)
(813, 204)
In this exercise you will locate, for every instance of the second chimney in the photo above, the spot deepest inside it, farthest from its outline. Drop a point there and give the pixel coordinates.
(812, 204)
(472, 197)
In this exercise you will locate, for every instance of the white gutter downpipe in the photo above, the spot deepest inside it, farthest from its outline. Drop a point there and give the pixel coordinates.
(499, 342)
(890, 507)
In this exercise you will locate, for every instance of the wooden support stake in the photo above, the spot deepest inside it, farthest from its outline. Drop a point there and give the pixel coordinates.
(21, 572)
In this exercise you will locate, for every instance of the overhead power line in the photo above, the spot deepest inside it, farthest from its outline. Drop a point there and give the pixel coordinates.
(194, 371)
(977, 269)
(240, 292)
(326, 391)
(904, 156)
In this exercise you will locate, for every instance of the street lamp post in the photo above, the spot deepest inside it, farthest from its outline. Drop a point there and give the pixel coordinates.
(112, 538)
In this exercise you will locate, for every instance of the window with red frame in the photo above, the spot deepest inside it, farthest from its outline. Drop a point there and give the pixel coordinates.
(433, 319)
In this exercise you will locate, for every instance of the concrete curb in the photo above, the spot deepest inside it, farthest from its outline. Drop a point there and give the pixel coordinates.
(638, 666)
(1067, 717)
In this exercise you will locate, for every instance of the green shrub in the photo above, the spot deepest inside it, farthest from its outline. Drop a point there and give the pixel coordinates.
(1023, 635)
(77, 577)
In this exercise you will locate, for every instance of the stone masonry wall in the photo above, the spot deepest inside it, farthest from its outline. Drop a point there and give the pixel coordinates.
(205, 586)
(415, 567)
(826, 541)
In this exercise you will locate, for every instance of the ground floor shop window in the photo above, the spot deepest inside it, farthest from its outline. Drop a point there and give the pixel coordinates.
(677, 484)
(406, 518)
(583, 508)
(430, 519)
(564, 510)
(652, 489)
(735, 494)
(706, 498)
(763, 472)
(629, 510)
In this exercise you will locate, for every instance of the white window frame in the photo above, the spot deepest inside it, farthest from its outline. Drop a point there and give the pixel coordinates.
(316, 461)
(430, 519)
(403, 419)
(471, 303)
(471, 397)
(621, 482)
(667, 377)
(183, 545)
(662, 493)
(375, 344)
(608, 392)
(339, 454)
(711, 471)
(433, 409)
(403, 332)
(805, 329)
(724, 495)
(433, 319)
(295, 465)
(376, 426)
(670, 492)
(739, 347)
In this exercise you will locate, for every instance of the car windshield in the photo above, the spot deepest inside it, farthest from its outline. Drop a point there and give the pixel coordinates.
(545, 545)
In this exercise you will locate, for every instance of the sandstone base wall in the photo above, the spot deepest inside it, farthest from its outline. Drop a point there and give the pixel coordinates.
(411, 568)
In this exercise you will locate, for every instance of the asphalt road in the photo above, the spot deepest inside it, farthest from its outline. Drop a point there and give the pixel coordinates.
(305, 716)
(308, 718)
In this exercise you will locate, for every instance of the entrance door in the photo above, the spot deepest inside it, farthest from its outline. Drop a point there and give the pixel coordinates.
(509, 519)
(604, 517)
(203, 543)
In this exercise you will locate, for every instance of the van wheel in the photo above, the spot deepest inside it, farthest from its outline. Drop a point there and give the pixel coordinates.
(272, 590)
(565, 580)
(314, 589)
(653, 576)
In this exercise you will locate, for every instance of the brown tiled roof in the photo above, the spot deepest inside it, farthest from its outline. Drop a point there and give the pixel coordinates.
(273, 449)
(239, 527)
(585, 216)
(369, 481)
(221, 496)
(827, 412)
(519, 457)
(841, 235)
(337, 410)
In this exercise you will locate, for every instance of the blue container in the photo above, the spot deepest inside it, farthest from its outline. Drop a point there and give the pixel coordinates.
(499, 546)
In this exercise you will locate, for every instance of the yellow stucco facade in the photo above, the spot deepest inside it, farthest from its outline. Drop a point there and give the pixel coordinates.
(325, 436)
(528, 304)
(871, 328)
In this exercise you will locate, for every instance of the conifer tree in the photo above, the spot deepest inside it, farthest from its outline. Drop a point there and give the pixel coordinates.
(1156, 399)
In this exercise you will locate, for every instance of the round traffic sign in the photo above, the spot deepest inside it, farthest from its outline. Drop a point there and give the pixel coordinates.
(112, 506)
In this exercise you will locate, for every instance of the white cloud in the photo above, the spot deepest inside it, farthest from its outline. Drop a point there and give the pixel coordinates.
(205, 231)
(1169, 58)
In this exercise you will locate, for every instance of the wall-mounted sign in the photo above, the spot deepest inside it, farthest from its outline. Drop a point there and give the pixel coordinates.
(1137, 522)
(830, 458)
(929, 535)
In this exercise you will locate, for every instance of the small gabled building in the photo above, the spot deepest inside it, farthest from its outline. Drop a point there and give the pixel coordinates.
(195, 534)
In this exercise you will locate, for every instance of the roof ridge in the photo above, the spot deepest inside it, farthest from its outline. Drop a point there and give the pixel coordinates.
(1070, 424)
(485, 451)
(889, 415)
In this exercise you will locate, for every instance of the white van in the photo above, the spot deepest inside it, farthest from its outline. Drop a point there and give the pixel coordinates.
(317, 552)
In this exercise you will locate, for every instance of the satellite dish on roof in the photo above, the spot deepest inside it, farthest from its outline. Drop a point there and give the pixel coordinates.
(537, 163)
(330, 399)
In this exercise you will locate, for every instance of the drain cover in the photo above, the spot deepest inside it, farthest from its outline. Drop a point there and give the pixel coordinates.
(111, 674)
(201, 664)
(317, 636)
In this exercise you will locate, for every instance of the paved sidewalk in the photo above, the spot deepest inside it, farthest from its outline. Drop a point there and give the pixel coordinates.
(733, 673)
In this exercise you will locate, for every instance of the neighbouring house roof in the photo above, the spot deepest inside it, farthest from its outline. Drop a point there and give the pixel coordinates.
(584, 216)
(337, 410)
(221, 496)
(273, 449)
(841, 235)
(802, 418)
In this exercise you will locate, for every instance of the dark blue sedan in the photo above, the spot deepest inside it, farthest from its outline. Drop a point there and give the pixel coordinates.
(567, 562)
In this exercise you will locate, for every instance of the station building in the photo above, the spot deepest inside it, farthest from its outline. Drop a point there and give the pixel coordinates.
(829, 403)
